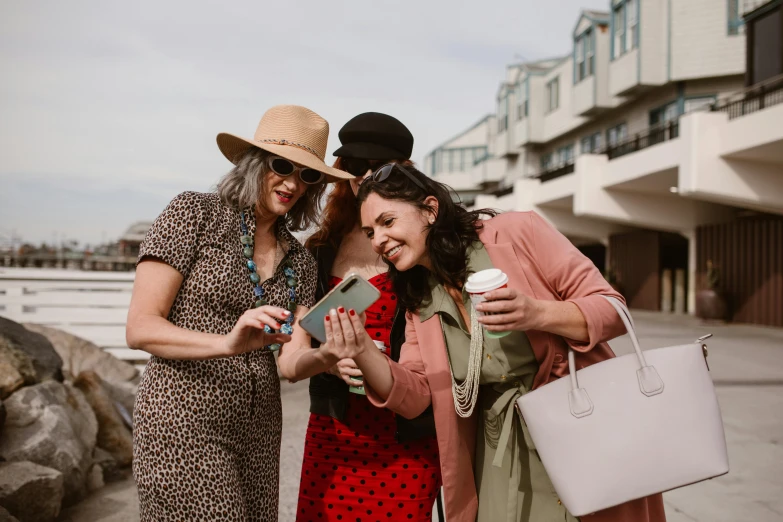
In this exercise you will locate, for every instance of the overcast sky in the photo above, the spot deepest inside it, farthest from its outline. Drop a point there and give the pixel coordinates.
(109, 109)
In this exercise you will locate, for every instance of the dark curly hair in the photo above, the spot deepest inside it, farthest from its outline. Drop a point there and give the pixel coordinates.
(454, 230)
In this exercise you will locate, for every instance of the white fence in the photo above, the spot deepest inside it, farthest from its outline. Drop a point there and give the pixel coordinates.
(92, 305)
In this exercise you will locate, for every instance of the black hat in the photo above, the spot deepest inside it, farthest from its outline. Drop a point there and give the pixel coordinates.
(373, 135)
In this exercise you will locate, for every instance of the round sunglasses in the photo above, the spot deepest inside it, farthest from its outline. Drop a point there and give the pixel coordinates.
(358, 167)
(283, 167)
(383, 173)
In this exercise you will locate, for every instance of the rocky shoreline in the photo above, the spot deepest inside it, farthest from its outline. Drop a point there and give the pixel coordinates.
(65, 420)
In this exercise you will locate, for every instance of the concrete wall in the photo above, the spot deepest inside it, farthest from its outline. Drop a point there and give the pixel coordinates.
(624, 73)
(700, 43)
(562, 119)
(602, 58)
(653, 41)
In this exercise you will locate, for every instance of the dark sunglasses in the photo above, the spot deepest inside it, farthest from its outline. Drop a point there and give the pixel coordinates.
(357, 167)
(383, 173)
(283, 167)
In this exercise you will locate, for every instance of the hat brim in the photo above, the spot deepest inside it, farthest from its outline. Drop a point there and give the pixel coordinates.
(233, 147)
(370, 151)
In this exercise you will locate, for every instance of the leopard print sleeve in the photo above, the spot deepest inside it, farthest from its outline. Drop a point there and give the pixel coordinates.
(174, 236)
(308, 270)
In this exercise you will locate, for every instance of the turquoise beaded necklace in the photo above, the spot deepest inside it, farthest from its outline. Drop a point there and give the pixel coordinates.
(258, 291)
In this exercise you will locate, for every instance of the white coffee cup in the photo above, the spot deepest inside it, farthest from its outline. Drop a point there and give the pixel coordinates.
(482, 282)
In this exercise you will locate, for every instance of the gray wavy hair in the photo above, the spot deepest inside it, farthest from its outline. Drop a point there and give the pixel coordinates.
(242, 186)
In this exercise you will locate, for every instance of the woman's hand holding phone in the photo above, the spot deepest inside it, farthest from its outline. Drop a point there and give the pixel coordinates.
(345, 334)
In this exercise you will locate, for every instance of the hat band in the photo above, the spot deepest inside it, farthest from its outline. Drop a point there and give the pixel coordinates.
(292, 144)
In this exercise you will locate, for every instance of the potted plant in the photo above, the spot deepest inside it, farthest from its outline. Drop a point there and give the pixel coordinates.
(711, 301)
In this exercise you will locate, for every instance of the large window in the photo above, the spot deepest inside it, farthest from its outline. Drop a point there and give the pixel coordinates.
(546, 162)
(553, 94)
(590, 144)
(765, 44)
(698, 103)
(736, 23)
(616, 134)
(565, 155)
(625, 26)
(522, 100)
(503, 113)
(664, 114)
(585, 55)
(457, 159)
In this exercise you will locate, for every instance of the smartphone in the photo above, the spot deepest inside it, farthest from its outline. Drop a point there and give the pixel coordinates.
(354, 292)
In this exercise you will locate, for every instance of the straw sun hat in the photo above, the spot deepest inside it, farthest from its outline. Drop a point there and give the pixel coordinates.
(289, 131)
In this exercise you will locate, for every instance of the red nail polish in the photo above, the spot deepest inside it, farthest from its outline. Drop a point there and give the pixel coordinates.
(328, 318)
(352, 311)
(341, 310)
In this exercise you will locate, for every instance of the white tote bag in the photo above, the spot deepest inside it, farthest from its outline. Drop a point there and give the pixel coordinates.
(628, 427)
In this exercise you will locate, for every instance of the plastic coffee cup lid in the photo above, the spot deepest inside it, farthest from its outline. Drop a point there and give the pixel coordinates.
(485, 281)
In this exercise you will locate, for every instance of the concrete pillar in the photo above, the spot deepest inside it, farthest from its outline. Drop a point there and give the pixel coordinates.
(692, 268)
(679, 291)
(666, 291)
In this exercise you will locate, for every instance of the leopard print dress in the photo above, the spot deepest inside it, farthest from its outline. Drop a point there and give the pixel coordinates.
(206, 439)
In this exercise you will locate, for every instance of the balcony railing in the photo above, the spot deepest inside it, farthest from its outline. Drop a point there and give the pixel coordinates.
(556, 172)
(752, 99)
(505, 191)
(652, 136)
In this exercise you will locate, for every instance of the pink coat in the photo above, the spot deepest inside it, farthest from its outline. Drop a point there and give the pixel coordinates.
(541, 263)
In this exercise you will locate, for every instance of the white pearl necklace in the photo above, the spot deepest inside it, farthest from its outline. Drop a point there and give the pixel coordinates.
(466, 392)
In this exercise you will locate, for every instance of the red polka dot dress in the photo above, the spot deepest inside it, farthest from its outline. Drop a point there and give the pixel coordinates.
(355, 470)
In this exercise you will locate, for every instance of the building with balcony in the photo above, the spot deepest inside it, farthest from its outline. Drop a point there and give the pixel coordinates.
(656, 148)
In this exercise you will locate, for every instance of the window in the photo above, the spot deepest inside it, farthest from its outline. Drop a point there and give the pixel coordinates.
(765, 42)
(584, 56)
(625, 26)
(546, 161)
(522, 100)
(736, 23)
(663, 115)
(553, 94)
(618, 19)
(565, 155)
(698, 103)
(632, 20)
(457, 159)
(616, 134)
(503, 113)
(590, 144)
(590, 52)
(479, 154)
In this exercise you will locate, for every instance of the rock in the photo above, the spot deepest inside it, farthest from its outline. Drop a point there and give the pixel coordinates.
(30, 492)
(124, 396)
(2, 416)
(5, 516)
(95, 478)
(53, 425)
(109, 466)
(16, 368)
(79, 355)
(113, 436)
(47, 363)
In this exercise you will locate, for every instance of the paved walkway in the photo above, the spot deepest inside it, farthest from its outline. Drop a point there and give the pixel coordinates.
(747, 367)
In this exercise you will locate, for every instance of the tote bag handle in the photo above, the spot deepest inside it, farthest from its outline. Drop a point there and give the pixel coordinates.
(650, 382)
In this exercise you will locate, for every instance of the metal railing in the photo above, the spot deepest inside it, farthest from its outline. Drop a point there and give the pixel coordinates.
(556, 172)
(504, 191)
(752, 99)
(652, 136)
